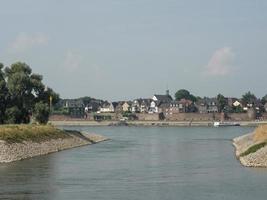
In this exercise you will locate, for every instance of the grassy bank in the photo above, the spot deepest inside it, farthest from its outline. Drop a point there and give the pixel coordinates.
(35, 133)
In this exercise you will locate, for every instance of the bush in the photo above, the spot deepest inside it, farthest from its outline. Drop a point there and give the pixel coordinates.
(41, 112)
(253, 149)
(12, 115)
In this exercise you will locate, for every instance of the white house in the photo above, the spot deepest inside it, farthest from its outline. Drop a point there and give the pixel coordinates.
(153, 107)
(107, 108)
(236, 104)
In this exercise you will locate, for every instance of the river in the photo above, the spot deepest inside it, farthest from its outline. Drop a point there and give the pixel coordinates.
(140, 163)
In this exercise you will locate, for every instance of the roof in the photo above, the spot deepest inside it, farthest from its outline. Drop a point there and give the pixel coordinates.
(185, 101)
(163, 98)
(106, 104)
(164, 105)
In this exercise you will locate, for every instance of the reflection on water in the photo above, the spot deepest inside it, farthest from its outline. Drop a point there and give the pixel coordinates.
(139, 163)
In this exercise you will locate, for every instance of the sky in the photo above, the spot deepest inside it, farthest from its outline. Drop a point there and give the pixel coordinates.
(125, 49)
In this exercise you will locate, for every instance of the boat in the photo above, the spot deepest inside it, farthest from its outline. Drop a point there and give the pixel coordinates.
(218, 124)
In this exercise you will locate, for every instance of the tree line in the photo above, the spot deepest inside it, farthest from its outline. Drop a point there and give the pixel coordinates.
(246, 99)
(23, 95)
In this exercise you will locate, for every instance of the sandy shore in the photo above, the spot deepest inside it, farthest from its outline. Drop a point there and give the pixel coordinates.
(17, 151)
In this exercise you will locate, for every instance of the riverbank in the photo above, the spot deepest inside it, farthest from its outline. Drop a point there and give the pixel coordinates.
(251, 149)
(149, 123)
(26, 141)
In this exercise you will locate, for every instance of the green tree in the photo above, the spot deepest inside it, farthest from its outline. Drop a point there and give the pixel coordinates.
(3, 94)
(86, 100)
(13, 115)
(222, 102)
(41, 112)
(264, 100)
(184, 94)
(25, 89)
(248, 98)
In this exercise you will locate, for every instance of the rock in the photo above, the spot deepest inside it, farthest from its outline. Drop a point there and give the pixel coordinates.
(10, 152)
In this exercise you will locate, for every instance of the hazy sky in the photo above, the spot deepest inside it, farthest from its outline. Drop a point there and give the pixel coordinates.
(123, 49)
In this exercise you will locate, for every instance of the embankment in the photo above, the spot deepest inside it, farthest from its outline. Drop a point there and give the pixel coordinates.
(16, 149)
(251, 149)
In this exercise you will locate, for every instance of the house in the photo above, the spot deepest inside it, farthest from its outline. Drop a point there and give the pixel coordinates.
(157, 100)
(202, 106)
(207, 105)
(136, 105)
(265, 107)
(236, 103)
(144, 106)
(107, 107)
(169, 108)
(162, 98)
(126, 106)
(93, 106)
(185, 106)
(153, 108)
(75, 107)
(212, 104)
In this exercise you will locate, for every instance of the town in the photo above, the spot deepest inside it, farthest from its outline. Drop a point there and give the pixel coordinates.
(183, 107)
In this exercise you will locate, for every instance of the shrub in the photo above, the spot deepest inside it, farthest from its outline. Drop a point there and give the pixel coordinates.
(41, 112)
(253, 149)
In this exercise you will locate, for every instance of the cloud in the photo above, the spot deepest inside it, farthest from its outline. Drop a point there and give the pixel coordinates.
(72, 61)
(221, 62)
(24, 42)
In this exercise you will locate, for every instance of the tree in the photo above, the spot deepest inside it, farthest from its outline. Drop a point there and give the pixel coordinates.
(86, 100)
(13, 115)
(248, 98)
(222, 102)
(25, 90)
(41, 112)
(264, 100)
(3, 95)
(184, 94)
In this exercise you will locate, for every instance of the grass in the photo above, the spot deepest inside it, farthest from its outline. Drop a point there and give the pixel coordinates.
(35, 133)
(260, 133)
(253, 149)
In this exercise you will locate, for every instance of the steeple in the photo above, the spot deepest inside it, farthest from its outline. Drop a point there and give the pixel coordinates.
(167, 92)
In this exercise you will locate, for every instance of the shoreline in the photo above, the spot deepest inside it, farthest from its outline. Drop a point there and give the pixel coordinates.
(149, 123)
(16, 151)
(247, 157)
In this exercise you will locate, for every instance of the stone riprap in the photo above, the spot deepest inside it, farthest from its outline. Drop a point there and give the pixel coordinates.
(10, 152)
(256, 159)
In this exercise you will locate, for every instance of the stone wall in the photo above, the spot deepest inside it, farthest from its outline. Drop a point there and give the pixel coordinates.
(193, 117)
(173, 117)
(147, 117)
(239, 117)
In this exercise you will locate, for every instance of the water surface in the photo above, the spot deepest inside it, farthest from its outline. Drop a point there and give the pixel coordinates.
(139, 163)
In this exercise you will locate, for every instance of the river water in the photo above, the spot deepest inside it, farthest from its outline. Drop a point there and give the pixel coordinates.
(139, 163)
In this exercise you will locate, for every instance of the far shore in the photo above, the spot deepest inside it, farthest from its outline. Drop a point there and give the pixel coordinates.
(149, 123)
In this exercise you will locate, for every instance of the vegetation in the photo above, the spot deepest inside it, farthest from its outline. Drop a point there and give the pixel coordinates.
(253, 149)
(35, 133)
(184, 94)
(222, 103)
(41, 111)
(248, 98)
(22, 95)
